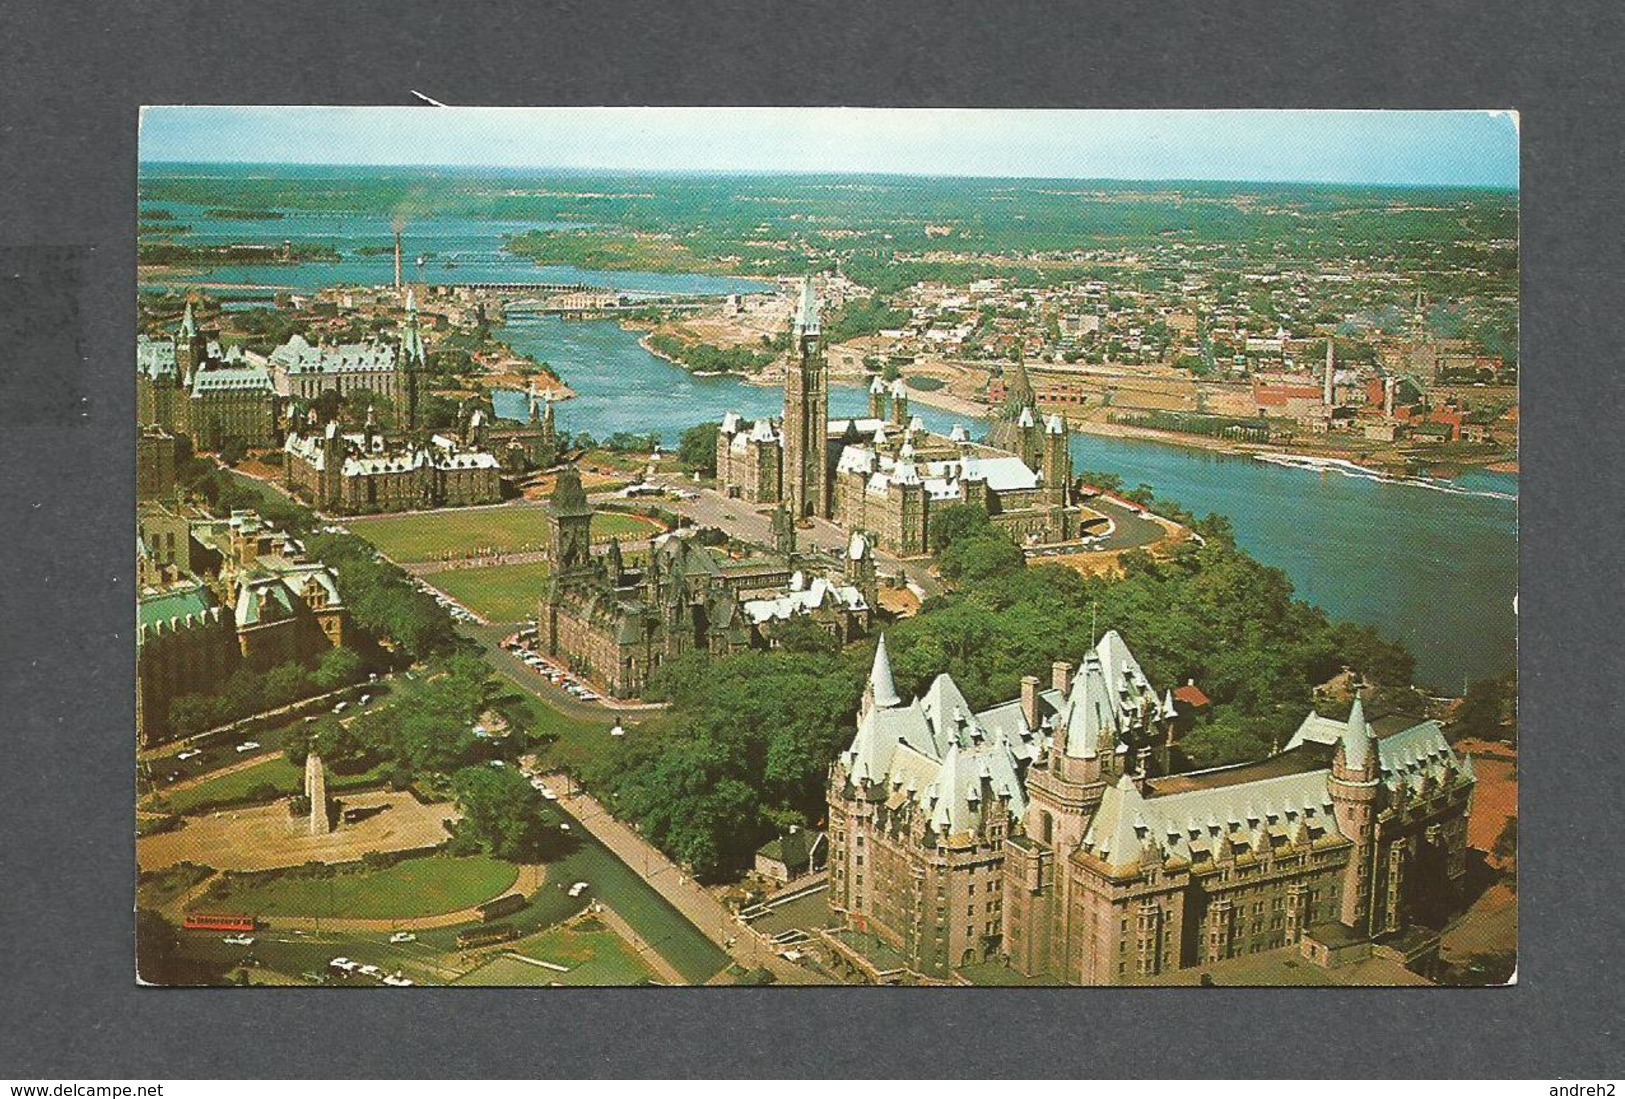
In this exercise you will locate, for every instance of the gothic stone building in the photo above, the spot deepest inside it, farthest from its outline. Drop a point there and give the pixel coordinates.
(232, 592)
(1100, 871)
(365, 472)
(617, 625)
(303, 371)
(186, 385)
(520, 447)
(885, 473)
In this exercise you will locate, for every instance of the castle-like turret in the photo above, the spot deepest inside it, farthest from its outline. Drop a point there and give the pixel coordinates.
(1355, 785)
(881, 690)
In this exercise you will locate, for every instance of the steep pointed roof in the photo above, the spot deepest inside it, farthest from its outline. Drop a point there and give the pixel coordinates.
(188, 322)
(1020, 390)
(807, 323)
(880, 678)
(878, 385)
(1357, 736)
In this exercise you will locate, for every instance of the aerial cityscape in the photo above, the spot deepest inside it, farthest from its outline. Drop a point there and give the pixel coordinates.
(796, 547)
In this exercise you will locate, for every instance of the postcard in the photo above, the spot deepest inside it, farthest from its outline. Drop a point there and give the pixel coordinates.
(727, 546)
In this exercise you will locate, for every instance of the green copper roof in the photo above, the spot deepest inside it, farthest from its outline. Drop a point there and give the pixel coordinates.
(154, 609)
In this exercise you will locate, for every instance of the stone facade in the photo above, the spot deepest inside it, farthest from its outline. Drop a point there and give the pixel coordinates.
(156, 454)
(1101, 870)
(231, 592)
(617, 625)
(885, 473)
(365, 472)
(187, 385)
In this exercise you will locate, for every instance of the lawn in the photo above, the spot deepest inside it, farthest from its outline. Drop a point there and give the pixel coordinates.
(476, 532)
(415, 887)
(278, 773)
(497, 593)
(594, 954)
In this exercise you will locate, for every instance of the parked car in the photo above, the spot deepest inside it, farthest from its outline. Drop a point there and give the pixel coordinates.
(344, 965)
(403, 937)
(371, 971)
(239, 940)
(578, 888)
(341, 707)
(190, 753)
(248, 745)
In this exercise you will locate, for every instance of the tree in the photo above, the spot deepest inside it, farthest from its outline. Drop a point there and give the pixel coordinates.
(339, 665)
(286, 683)
(982, 557)
(957, 521)
(697, 448)
(1506, 850)
(192, 714)
(501, 810)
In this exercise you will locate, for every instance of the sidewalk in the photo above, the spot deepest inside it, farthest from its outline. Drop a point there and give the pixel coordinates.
(699, 907)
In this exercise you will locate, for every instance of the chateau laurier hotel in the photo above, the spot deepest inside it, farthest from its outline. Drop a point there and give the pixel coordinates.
(1041, 834)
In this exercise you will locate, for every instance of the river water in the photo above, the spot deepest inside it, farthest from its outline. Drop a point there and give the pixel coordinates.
(1435, 568)
(1432, 568)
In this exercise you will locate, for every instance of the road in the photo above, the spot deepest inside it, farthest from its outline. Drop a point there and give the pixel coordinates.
(699, 907)
(744, 520)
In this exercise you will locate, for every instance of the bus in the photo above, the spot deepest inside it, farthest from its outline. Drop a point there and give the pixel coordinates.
(502, 906)
(486, 936)
(214, 921)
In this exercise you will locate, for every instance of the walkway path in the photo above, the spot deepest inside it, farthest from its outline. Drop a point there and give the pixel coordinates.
(699, 907)
(650, 956)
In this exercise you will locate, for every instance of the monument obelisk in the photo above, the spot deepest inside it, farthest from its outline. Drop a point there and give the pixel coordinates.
(316, 791)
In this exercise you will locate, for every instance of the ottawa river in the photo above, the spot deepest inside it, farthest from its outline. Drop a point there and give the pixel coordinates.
(1435, 568)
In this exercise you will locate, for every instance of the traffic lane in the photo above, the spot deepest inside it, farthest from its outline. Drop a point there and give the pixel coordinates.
(489, 639)
(1132, 529)
(744, 520)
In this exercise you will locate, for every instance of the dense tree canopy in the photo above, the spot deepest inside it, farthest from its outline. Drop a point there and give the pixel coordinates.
(697, 449)
(745, 749)
(502, 811)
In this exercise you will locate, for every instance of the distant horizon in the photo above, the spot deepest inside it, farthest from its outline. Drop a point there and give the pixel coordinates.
(810, 173)
(1403, 149)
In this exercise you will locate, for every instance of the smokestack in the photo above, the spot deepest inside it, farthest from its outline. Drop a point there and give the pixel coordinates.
(398, 261)
(1388, 397)
(1326, 396)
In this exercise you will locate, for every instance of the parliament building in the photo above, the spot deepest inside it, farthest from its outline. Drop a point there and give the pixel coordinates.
(885, 473)
(616, 625)
(1040, 835)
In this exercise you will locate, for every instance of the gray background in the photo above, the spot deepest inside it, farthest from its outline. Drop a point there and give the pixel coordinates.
(73, 78)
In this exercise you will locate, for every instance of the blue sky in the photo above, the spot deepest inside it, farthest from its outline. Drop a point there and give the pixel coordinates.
(1393, 147)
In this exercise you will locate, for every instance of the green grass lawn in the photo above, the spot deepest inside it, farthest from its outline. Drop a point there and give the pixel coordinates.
(278, 773)
(498, 593)
(415, 887)
(465, 532)
(595, 956)
(457, 532)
